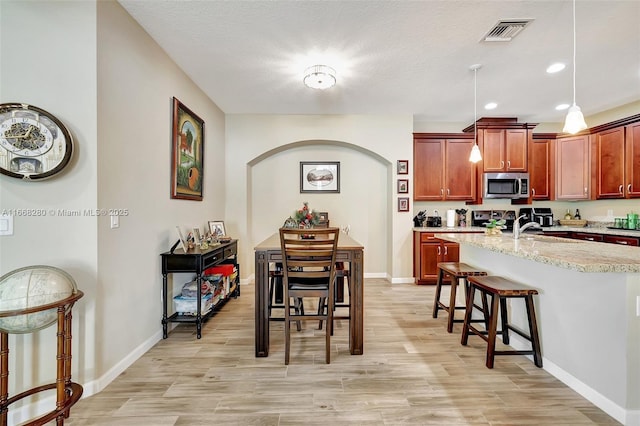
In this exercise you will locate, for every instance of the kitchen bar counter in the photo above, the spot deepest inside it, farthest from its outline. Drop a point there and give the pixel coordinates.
(579, 255)
(593, 230)
(588, 310)
(444, 229)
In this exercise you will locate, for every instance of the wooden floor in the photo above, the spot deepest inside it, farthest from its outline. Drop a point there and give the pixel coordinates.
(412, 373)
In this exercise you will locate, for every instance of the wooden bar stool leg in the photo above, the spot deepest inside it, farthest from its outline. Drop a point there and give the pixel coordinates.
(493, 326)
(504, 321)
(467, 316)
(533, 332)
(436, 305)
(452, 304)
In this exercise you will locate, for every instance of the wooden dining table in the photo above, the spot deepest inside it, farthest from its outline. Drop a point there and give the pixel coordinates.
(349, 251)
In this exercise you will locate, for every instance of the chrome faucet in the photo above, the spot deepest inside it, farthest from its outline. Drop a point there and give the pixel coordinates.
(517, 229)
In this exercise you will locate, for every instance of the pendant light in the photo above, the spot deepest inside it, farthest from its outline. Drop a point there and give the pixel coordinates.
(575, 120)
(475, 155)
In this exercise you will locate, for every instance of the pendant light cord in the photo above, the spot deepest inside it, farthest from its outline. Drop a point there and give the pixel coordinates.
(475, 105)
(574, 52)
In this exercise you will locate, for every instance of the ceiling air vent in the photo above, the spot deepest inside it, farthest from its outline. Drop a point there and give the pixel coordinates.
(506, 30)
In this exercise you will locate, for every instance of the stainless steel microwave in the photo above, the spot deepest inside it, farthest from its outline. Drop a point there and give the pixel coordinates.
(506, 185)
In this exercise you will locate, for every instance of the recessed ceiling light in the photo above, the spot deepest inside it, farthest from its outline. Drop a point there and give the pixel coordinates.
(562, 107)
(491, 105)
(554, 68)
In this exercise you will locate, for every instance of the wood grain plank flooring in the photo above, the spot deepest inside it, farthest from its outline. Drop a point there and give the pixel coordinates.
(412, 373)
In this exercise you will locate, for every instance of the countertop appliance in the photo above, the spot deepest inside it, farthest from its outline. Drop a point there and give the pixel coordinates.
(541, 215)
(480, 217)
(506, 185)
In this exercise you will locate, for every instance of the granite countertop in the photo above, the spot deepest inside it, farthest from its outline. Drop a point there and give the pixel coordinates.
(579, 255)
(441, 229)
(594, 230)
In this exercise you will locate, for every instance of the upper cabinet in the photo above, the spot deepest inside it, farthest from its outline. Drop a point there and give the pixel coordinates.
(541, 168)
(505, 150)
(573, 168)
(632, 160)
(442, 170)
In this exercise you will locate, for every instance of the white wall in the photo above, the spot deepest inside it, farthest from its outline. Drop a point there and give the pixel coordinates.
(369, 147)
(116, 99)
(41, 65)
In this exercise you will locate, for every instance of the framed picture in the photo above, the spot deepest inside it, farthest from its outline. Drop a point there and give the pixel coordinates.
(403, 204)
(320, 176)
(183, 241)
(196, 236)
(403, 186)
(187, 153)
(217, 228)
(403, 167)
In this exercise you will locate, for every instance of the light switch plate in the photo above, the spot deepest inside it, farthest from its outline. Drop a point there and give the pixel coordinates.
(115, 221)
(6, 224)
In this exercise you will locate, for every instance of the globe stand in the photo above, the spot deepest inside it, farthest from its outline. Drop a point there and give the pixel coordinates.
(67, 392)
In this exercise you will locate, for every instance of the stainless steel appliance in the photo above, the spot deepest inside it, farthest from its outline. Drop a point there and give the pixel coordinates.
(506, 185)
(480, 217)
(543, 216)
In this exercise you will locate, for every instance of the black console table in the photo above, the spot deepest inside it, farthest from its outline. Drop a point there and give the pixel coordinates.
(196, 261)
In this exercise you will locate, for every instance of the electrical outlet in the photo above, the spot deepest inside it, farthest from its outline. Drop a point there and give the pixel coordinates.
(6, 224)
(115, 221)
(610, 213)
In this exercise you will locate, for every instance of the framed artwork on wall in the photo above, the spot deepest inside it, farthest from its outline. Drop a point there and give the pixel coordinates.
(403, 167)
(403, 204)
(320, 176)
(187, 153)
(403, 186)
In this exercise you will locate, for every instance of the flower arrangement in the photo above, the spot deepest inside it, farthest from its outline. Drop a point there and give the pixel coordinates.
(306, 217)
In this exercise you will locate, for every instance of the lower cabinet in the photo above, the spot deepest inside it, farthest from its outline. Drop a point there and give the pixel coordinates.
(428, 250)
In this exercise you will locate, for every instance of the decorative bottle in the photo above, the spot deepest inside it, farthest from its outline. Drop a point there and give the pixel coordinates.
(567, 215)
(577, 215)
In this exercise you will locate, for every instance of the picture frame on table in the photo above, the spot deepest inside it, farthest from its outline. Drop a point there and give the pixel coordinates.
(320, 176)
(403, 167)
(216, 227)
(182, 240)
(197, 236)
(403, 186)
(403, 204)
(187, 153)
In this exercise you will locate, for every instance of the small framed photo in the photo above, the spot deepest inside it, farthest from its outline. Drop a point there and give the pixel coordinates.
(196, 236)
(217, 228)
(320, 176)
(403, 167)
(403, 204)
(403, 186)
(183, 242)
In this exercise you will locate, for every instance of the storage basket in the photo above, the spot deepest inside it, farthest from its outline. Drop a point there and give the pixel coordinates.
(573, 222)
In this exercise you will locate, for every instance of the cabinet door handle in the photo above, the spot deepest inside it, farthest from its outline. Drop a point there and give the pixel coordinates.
(622, 242)
(448, 191)
(501, 164)
(629, 188)
(439, 252)
(585, 190)
(446, 250)
(589, 239)
(620, 188)
(441, 191)
(508, 164)
(533, 191)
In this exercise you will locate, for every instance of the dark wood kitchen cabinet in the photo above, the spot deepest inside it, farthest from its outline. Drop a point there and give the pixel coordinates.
(442, 170)
(573, 168)
(428, 250)
(504, 150)
(610, 163)
(541, 169)
(632, 172)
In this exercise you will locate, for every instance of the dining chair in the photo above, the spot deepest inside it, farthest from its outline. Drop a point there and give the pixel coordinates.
(309, 270)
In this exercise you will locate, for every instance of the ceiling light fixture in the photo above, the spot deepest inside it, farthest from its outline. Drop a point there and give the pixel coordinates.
(319, 77)
(475, 155)
(575, 120)
(554, 68)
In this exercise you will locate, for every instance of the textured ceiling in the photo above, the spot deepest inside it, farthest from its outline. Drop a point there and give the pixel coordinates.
(401, 57)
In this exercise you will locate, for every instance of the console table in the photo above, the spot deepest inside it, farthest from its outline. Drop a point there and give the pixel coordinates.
(196, 261)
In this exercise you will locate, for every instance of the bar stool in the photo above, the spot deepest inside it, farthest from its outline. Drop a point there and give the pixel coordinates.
(500, 289)
(456, 271)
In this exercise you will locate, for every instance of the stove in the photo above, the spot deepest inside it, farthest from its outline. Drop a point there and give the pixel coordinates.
(480, 217)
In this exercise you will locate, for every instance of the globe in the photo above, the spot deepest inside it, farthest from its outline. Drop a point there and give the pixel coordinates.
(30, 287)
